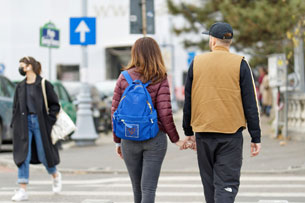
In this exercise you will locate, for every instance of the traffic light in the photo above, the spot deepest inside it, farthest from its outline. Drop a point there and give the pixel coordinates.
(136, 16)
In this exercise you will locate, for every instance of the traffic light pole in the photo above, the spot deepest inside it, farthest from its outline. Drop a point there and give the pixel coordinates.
(144, 20)
(85, 133)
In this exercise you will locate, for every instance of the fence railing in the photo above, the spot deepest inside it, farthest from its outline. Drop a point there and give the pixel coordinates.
(296, 112)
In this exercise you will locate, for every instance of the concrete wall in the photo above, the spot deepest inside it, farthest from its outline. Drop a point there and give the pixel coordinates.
(20, 21)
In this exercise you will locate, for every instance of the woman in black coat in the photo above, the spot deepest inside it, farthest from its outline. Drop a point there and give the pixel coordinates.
(32, 126)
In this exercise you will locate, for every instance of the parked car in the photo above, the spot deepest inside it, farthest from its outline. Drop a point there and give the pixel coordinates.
(106, 90)
(7, 90)
(74, 89)
(65, 100)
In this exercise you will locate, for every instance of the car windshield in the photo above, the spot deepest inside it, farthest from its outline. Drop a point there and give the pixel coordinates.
(73, 88)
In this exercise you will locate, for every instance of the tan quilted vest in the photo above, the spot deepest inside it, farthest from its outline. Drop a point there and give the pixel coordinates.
(216, 95)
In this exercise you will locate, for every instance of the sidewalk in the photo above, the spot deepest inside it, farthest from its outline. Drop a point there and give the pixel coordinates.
(102, 158)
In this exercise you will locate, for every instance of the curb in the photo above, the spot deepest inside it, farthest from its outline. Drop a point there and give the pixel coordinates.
(10, 164)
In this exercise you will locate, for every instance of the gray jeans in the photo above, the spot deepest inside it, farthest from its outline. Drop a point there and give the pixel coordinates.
(143, 161)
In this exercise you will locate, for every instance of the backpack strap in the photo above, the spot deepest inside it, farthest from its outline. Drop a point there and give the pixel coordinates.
(127, 77)
(146, 84)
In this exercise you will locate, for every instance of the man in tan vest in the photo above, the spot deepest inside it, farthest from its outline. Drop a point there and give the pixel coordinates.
(220, 101)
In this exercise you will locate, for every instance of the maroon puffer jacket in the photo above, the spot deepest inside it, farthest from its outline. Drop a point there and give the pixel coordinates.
(160, 96)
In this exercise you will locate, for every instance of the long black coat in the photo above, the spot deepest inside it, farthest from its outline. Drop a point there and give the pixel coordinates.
(46, 121)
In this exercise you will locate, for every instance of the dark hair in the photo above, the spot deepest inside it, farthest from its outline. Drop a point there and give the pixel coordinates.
(28, 60)
(265, 70)
(146, 56)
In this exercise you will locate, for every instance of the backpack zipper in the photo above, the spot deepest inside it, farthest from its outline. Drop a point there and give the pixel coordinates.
(149, 107)
(122, 99)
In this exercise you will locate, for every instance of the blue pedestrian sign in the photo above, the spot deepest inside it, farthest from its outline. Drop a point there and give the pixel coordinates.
(2, 68)
(82, 31)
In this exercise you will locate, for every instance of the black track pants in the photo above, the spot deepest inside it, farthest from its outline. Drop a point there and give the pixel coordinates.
(220, 160)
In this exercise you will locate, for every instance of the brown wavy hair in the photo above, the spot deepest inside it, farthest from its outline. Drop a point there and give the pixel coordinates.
(28, 60)
(146, 57)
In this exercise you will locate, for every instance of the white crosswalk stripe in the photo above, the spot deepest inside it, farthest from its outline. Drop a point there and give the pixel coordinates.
(179, 189)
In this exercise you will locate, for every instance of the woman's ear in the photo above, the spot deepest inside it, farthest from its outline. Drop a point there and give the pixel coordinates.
(29, 67)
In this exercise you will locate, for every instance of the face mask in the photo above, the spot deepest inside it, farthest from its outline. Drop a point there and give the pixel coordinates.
(21, 71)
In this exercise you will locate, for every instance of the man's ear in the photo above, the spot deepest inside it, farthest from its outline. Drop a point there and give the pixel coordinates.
(214, 41)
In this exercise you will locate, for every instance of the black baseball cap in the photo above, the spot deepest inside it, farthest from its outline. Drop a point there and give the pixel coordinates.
(220, 30)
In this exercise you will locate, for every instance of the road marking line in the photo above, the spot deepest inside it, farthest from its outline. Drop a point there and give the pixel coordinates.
(131, 202)
(123, 185)
(175, 179)
(201, 202)
(162, 194)
(41, 202)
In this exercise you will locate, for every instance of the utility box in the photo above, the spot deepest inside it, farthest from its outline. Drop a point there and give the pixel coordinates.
(277, 70)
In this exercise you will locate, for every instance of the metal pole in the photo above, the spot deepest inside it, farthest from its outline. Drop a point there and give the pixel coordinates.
(85, 133)
(50, 63)
(299, 63)
(174, 101)
(286, 102)
(144, 21)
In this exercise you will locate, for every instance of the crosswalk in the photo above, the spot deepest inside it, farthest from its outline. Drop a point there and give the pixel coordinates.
(172, 188)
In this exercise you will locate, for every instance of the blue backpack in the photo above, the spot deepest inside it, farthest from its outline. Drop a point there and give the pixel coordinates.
(135, 118)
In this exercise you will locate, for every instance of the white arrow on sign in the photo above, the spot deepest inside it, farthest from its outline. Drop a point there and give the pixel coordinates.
(82, 28)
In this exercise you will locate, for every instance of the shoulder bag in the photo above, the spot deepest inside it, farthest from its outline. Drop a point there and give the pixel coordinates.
(64, 126)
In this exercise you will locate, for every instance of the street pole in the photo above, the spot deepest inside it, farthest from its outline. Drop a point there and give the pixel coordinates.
(50, 63)
(144, 21)
(286, 104)
(299, 63)
(85, 133)
(173, 95)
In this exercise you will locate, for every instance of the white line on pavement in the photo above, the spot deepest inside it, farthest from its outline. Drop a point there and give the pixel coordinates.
(176, 179)
(200, 202)
(38, 202)
(123, 185)
(163, 194)
(133, 202)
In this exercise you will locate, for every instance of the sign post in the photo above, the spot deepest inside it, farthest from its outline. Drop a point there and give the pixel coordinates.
(49, 37)
(83, 32)
(278, 77)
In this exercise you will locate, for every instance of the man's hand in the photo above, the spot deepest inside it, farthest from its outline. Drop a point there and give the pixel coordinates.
(119, 151)
(189, 143)
(255, 149)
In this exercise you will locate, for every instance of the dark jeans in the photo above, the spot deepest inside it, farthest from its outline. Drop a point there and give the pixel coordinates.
(220, 160)
(143, 161)
(34, 133)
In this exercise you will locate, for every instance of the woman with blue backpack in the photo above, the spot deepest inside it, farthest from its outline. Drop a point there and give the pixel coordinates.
(142, 115)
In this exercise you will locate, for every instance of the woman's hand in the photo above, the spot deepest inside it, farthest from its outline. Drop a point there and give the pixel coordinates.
(119, 151)
(179, 144)
(189, 143)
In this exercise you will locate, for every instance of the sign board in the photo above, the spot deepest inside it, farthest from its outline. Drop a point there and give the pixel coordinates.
(49, 36)
(191, 56)
(2, 68)
(82, 31)
(277, 68)
(135, 18)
